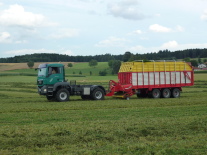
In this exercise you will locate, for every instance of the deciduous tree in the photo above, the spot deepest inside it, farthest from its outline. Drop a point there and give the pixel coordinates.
(93, 63)
(70, 65)
(30, 64)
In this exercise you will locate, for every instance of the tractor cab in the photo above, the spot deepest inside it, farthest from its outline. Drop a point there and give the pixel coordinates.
(49, 74)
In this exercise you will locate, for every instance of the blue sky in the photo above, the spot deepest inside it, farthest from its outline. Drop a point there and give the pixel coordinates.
(94, 27)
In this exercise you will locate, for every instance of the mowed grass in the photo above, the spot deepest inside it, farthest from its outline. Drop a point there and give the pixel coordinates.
(29, 124)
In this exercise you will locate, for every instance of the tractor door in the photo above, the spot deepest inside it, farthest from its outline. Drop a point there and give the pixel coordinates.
(55, 75)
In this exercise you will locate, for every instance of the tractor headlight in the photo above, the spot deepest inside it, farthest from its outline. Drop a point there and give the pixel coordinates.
(45, 90)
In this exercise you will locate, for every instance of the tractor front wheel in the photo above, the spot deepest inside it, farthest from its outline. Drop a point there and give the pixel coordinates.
(62, 95)
(50, 98)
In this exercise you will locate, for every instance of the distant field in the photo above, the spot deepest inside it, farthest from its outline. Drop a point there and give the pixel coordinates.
(76, 69)
(14, 66)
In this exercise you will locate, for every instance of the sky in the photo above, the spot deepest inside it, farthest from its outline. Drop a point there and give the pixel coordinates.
(96, 27)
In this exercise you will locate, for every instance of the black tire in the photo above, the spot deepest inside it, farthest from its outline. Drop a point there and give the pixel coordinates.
(97, 94)
(86, 97)
(166, 93)
(175, 93)
(50, 98)
(142, 94)
(62, 95)
(155, 93)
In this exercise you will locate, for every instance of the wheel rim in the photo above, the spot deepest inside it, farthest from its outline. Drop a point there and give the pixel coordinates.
(166, 93)
(176, 93)
(63, 95)
(98, 95)
(155, 93)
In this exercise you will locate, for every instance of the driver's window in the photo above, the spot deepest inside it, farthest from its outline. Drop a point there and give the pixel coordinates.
(55, 70)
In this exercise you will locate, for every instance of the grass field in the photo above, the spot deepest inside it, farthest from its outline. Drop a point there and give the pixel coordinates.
(77, 68)
(29, 124)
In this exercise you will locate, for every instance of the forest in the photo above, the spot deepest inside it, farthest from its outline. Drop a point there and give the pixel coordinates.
(127, 56)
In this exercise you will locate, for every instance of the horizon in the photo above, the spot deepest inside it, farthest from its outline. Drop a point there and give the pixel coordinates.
(103, 54)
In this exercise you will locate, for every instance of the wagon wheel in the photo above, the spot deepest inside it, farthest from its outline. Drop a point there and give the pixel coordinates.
(166, 93)
(175, 93)
(155, 93)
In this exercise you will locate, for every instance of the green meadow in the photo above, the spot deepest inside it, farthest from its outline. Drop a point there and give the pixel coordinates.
(29, 124)
(75, 70)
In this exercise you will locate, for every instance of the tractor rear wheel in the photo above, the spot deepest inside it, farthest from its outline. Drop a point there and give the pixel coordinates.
(97, 94)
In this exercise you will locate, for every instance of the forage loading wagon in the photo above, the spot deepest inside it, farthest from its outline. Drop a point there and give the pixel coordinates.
(154, 79)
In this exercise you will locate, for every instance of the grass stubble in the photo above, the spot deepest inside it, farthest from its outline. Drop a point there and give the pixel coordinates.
(29, 124)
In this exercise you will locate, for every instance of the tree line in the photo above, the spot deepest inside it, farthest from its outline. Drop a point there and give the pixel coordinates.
(127, 56)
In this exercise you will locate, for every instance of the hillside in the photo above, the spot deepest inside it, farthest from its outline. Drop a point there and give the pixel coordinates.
(81, 68)
(14, 66)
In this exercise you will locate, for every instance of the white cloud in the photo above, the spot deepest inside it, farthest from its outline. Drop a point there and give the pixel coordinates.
(127, 9)
(5, 37)
(157, 15)
(136, 32)
(21, 41)
(17, 16)
(204, 15)
(67, 52)
(137, 48)
(179, 28)
(65, 33)
(28, 51)
(111, 42)
(159, 28)
(169, 45)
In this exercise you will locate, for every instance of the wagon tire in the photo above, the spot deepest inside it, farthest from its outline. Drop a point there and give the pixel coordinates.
(175, 93)
(155, 93)
(142, 94)
(62, 95)
(97, 94)
(166, 93)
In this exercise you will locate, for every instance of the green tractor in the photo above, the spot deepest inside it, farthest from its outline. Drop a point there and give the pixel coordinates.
(51, 83)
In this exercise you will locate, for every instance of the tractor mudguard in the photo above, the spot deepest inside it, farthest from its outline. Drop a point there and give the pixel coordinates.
(62, 85)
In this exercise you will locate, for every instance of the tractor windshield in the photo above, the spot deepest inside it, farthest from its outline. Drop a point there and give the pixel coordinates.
(42, 72)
